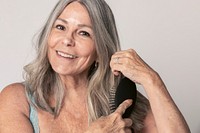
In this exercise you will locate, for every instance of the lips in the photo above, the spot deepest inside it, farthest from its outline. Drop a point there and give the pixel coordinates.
(66, 55)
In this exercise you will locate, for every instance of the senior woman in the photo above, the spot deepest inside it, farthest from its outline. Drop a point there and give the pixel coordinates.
(67, 87)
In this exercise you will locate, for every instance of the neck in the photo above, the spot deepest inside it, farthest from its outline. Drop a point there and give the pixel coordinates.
(75, 88)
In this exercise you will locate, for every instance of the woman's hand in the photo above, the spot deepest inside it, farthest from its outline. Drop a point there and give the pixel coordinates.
(133, 67)
(113, 123)
(166, 115)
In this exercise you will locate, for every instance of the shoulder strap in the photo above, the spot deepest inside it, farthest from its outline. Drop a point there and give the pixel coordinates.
(33, 116)
(34, 119)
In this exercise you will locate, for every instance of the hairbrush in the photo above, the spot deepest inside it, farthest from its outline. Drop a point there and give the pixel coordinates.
(125, 90)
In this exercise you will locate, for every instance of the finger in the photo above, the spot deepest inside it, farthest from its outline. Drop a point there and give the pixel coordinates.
(118, 63)
(123, 68)
(128, 130)
(123, 106)
(116, 73)
(125, 51)
(123, 61)
(130, 53)
(128, 122)
(117, 59)
(113, 64)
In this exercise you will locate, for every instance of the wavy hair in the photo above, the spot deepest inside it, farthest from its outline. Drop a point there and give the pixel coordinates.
(41, 81)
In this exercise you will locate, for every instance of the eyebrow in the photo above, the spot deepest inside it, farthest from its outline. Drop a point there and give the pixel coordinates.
(79, 25)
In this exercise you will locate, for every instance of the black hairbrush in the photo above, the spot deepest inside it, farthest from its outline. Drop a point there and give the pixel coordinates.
(126, 90)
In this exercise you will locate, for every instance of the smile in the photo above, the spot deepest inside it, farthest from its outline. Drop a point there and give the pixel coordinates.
(65, 55)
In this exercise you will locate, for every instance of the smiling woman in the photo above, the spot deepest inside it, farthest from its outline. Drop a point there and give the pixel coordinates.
(72, 36)
(67, 87)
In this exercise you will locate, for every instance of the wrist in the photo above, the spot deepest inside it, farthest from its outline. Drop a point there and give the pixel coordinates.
(153, 81)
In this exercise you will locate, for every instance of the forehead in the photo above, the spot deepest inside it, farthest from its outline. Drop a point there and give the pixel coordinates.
(76, 11)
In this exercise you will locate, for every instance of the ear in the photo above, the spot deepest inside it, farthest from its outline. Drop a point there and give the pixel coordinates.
(96, 64)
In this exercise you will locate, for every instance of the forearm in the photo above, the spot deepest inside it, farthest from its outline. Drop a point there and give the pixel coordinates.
(167, 116)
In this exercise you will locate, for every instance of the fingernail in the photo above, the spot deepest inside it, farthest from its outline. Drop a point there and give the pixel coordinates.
(131, 101)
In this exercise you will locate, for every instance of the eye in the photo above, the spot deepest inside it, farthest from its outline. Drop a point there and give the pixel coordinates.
(60, 27)
(84, 33)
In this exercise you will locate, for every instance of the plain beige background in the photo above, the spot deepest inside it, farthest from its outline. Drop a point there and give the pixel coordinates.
(166, 34)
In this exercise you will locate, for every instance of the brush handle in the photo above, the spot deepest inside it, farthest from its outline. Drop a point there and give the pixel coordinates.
(126, 90)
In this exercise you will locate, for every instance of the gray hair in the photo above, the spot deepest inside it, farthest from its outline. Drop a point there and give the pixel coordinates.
(41, 80)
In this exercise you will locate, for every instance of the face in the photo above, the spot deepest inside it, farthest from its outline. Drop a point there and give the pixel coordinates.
(71, 48)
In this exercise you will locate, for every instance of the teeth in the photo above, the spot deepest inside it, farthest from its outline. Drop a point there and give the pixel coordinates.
(66, 55)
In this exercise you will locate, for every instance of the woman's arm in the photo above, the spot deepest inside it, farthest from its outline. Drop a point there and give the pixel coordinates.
(14, 110)
(165, 115)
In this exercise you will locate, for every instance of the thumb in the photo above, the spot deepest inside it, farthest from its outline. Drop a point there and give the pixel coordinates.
(123, 106)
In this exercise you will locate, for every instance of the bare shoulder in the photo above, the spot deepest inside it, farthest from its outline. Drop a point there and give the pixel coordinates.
(14, 108)
(14, 95)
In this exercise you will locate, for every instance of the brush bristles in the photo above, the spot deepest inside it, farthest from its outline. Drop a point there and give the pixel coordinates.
(112, 100)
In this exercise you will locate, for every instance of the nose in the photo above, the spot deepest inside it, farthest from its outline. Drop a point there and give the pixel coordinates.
(68, 40)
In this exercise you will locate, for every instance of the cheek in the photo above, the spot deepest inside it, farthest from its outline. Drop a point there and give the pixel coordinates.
(51, 46)
(87, 52)
(53, 40)
(50, 55)
(87, 48)
(93, 52)
(92, 56)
